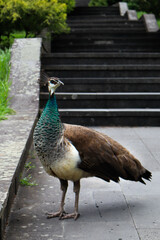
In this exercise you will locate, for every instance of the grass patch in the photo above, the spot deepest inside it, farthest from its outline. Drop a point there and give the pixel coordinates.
(29, 166)
(4, 84)
(5, 71)
(27, 179)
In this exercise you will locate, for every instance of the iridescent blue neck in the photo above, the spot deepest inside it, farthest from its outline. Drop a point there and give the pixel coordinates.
(49, 121)
(51, 110)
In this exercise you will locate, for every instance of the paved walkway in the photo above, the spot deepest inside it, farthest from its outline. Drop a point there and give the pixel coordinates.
(109, 211)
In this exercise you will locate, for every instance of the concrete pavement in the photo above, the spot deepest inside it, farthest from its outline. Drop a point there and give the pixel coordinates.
(109, 211)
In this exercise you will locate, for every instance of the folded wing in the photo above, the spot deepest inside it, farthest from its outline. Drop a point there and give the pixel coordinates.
(103, 157)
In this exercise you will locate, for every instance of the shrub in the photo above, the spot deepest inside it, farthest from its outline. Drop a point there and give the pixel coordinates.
(33, 16)
(69, 3)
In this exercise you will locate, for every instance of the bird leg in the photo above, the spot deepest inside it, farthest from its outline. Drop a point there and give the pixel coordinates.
(61, 212)
(75, 214)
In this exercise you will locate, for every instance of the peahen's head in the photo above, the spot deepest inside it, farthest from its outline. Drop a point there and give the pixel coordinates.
(53, 84)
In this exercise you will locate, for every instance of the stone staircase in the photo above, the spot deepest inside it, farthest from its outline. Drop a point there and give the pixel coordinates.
(110, 67)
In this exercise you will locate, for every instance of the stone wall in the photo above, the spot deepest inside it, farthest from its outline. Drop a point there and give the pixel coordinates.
(16, 132)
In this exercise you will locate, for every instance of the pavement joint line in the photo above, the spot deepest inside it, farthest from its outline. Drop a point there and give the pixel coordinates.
(130, 213)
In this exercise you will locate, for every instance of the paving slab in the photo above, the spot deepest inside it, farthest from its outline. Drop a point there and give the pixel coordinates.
(149, 234)
(100, 231)
(112, 206)
(109, 211)
(145, 210)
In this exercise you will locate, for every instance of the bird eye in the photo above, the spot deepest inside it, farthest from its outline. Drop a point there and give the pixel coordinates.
(53, 82)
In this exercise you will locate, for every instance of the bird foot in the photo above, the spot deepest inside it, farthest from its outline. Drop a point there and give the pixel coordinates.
(63, 215)
(59, 214)
(74, 215)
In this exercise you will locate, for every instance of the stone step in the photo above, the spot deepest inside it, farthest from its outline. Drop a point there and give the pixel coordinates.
(111, 117)
(96, 17)
(103, 100)
(95, 11)
(106, 25)
(106, 46)
(110, 67)
(108, 30)
(82, 3)
(94, 84)
(136, 41)
(108, 40)
(90, 9)
(101, 71)
(100, 58)
(131, 36)
(101, 19)
(116, 49)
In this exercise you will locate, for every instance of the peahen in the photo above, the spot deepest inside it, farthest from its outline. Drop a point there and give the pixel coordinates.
(72, 152)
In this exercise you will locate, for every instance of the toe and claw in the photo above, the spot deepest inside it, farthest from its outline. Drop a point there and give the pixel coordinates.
(63, 215)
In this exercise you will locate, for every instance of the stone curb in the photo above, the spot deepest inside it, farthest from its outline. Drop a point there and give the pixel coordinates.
(123, 8)
(150, 22)
(16, 132)
(132, 15)
(149, 19)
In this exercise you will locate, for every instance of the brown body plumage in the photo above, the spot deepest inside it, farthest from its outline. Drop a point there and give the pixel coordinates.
(103, 157)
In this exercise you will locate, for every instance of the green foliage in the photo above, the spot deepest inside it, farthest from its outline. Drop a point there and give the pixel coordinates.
(69, 3)
(26, 181)
(140, 14)
(33, 16)
(4, 64)
(158, 21)
(147, 6)
(134, 4)
(6, 42)
(102, 3)
(98, 3)
(4, 84)
(29, 166)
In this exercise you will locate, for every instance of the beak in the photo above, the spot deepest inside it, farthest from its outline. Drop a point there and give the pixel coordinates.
(61, 82)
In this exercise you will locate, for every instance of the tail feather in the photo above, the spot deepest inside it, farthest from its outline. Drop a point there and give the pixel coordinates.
(146, 175)
(141, 180)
